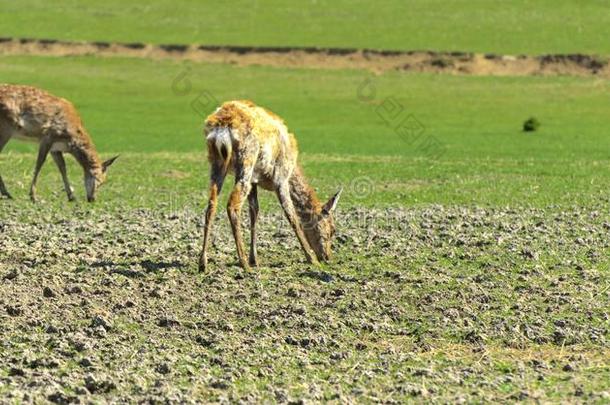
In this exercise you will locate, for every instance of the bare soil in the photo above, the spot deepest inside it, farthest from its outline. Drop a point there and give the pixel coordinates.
(433, 304)
(326, 58)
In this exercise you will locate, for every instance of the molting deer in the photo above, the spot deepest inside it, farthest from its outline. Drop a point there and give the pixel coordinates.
(31, 114)
(255, 145)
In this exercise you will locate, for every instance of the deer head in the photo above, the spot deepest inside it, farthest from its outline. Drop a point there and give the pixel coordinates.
(320, 231)
(96, 177)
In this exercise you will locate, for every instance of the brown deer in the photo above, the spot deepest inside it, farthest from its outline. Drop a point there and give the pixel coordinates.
(255, 145)
(31, 114)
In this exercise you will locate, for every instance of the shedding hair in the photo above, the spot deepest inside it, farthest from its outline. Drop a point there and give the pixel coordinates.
(304, 198)
(255, 144)
(228, 116)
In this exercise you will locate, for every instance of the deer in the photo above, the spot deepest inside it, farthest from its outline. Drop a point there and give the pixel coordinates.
(31, 114)
(254, 145)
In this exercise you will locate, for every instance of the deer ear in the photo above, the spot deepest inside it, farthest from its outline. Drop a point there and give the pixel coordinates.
(107, 163)
(331, 204)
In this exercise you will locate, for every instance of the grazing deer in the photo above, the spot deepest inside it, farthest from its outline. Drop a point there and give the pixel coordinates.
(31, 114)
(255, 145)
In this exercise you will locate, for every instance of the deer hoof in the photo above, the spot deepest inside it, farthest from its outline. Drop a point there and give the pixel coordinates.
(203, 264)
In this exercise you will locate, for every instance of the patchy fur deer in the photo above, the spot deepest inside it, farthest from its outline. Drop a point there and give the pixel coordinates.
(255, 145)
(31, 114)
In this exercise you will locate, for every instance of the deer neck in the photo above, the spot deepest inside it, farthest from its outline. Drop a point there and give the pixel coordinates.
(86, 154)
(304, 198)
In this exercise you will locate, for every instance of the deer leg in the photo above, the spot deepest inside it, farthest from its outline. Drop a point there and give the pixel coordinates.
(61, 165)
(216, 179)
(243, 176)
(43, 151)
(3, 190)
(283, 194)
(236, 202)
(253, 205)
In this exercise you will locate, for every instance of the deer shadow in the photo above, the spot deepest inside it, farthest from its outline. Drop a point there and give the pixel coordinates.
(148, 265)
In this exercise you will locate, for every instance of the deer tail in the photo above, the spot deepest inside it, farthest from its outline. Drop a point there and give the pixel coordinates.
(220, 144)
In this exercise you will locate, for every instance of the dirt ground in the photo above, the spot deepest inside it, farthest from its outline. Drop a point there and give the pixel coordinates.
(436, 304)
(374, 60)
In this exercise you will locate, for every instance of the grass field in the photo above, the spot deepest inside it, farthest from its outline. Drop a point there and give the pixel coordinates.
(513, 27)
(481, 156)
(472, 259)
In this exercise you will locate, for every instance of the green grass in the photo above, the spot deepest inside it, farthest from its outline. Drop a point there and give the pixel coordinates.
(516, 26)
(130, 106)
(180, 180)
